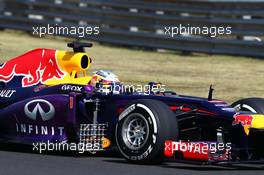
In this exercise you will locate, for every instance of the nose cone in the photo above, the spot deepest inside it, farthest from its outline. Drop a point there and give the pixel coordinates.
(255, 121)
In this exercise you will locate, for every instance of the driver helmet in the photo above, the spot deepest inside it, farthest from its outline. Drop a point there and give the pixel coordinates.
(105, 81)
(105, 76)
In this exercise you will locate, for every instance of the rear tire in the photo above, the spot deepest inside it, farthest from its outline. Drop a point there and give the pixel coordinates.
(142, 129)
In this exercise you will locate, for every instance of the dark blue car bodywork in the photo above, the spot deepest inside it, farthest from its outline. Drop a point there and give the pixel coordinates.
(41, 113)
(193, 113)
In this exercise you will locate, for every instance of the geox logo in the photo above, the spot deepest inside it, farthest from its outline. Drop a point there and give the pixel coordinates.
(42, 107)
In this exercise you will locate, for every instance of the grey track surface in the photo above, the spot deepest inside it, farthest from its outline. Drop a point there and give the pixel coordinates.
(28, 163)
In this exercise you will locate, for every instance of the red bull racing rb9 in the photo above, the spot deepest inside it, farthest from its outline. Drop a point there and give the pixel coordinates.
(46, 95)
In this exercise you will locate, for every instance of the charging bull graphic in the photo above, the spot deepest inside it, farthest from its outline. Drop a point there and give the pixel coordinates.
(244, 120)
(255, 121)
(35, 66)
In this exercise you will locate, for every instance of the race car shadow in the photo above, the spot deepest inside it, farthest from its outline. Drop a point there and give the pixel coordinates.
(215, 167)
(115, 157)
(21, 148)
(197, 167)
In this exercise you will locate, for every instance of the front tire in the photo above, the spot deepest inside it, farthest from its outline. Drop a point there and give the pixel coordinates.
(254, 105)
(142, 129)
(253, 143)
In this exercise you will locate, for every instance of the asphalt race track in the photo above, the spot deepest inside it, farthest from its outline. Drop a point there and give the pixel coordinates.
(14, 162)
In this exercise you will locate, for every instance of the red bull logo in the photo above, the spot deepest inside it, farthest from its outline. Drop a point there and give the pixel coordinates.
(243, 119)
(36, 66)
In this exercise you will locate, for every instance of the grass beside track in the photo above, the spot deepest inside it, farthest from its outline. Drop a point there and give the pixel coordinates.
(232, 77)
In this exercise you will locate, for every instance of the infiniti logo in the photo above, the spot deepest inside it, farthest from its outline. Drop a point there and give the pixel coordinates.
(39, 104)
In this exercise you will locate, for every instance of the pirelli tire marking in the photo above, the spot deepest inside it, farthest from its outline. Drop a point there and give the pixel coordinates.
(245, 106)
(151, 121)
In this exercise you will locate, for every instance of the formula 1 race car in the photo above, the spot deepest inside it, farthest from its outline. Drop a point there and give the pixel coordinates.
(47, 96)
